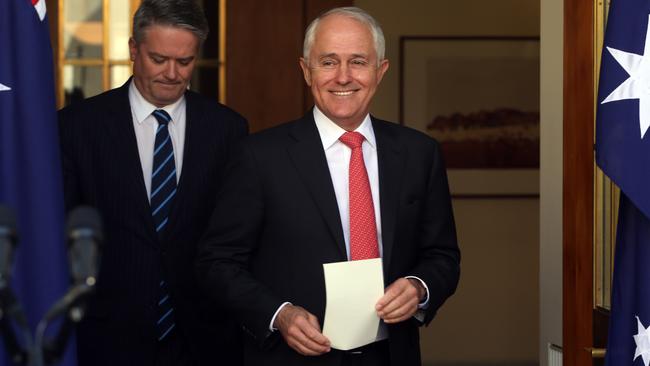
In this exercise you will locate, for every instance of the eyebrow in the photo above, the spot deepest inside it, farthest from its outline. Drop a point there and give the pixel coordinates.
(328, 55)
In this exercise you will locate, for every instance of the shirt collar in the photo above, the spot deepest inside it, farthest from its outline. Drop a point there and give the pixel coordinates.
(142, 108)
(330, 131)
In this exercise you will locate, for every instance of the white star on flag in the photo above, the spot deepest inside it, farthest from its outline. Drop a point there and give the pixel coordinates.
(637, 86)
(642, 340)
(40, 9)
(4, 88)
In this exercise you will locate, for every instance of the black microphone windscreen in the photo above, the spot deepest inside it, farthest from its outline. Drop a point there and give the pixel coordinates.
(85, 218)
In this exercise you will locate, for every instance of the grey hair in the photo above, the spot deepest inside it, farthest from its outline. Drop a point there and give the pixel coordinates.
(186, 14)
(354, 13)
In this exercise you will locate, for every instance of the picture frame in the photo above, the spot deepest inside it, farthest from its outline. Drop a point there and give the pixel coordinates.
(479, 97)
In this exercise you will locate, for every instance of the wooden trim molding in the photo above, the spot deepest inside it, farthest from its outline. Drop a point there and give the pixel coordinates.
(578, 163)
(53, 20)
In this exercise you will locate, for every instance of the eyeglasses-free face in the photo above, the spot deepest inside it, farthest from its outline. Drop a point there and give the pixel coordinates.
(342, 70)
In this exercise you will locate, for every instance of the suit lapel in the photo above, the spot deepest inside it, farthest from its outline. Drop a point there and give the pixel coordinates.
(391, 163)
(310, 162)
(119, 128)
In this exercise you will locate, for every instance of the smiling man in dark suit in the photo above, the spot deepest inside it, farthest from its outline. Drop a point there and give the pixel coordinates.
(150, 157)
(335, 185)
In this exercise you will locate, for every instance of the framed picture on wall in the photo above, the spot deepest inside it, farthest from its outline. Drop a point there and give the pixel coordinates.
(479, 97)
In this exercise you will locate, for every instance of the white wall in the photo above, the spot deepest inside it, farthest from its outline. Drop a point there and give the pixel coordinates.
(551, 175)
(493, 317)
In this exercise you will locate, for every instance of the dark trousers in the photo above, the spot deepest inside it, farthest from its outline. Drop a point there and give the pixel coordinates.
(374, 354)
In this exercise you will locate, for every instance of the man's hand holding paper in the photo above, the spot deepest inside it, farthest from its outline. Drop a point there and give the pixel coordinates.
(401, 300)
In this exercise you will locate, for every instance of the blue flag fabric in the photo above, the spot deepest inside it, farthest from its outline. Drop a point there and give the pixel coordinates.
(623, 153)
(30, 170)
(630, 316)
(622, 137)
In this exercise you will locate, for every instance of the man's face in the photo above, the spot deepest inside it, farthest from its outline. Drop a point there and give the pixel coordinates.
(163, 63)
(342, 70)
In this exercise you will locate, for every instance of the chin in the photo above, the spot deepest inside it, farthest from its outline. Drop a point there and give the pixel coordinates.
(344, 116)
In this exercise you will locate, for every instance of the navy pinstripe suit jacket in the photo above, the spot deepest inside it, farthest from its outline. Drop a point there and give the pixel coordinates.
(102, 169)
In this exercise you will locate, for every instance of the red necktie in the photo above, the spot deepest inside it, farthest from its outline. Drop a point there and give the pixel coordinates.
(363, 229)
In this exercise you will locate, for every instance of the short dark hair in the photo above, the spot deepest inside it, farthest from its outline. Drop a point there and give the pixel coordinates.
(186, 14)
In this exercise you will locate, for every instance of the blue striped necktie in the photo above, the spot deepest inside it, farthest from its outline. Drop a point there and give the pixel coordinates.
(163, 190)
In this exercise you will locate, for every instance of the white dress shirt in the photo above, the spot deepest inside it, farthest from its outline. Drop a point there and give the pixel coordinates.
(338, 160)
(145, 125)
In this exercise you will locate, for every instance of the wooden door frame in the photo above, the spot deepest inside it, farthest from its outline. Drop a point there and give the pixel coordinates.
(578, 191)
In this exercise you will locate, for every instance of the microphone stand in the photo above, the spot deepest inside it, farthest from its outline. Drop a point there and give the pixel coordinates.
(17, 354)
(84, 234)
(10, 309)
(41, 351)
(73, 305)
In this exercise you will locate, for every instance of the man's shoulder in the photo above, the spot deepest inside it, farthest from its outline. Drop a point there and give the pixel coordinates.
(278, 133)
(211, 106)
(406, 135)
(96, 104)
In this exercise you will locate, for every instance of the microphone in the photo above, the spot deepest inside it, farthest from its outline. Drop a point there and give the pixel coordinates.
(84, 232)
(85, 236)
(7, 244)
(9, 307)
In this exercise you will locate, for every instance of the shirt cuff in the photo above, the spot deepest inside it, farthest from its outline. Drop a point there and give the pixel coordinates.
(424, 304)
(272, 329)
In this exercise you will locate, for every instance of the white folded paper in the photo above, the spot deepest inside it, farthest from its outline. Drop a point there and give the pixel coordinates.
(353, 289)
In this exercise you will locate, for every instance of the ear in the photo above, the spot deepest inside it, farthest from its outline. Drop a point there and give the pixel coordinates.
(306, 71)
(383, 67)
(133, 49)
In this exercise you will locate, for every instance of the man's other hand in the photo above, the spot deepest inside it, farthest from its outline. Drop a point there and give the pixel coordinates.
(400, 300)
(301, 331)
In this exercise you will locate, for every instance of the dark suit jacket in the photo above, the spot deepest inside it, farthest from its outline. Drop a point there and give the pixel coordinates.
(102, 169)
(277, 221)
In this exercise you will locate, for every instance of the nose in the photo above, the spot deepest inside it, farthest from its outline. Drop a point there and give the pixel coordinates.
(343, 75)
(170, 71)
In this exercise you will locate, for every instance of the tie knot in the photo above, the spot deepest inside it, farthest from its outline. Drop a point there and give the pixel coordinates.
(352, 139)
(162, 116)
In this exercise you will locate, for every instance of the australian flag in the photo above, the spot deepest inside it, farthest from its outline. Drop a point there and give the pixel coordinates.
(623, 153)
(30, 169)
